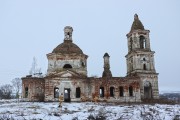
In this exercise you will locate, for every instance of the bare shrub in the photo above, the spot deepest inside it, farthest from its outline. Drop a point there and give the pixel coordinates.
(91, 109)
(57, 114)
(91, 117)
(101, 114)
(176, 117)
(6, 91)
(75, 118)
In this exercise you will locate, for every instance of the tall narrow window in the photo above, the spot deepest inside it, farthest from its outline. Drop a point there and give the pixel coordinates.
(131, 43)
(68, 35)
(142, 42)
(26, 92)
(130, 91)
(144, 66)
(67, 93)
(111, 91)
(56, 92)
(101, 91)
(78, 92)
(121, 91)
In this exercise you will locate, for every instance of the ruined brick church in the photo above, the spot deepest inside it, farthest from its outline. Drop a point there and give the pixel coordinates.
(67, 73)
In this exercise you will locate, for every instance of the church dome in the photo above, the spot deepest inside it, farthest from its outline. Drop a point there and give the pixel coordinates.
(67, 47)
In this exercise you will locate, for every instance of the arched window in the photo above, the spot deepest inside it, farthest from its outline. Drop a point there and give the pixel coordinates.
(101, 91)
(78, 92)
(130, 91)
(68, 35)
(142, 42)
(111, 91)
(56, 92)
(67, 66)
(144, 67)
(121, 91)
(26, 92)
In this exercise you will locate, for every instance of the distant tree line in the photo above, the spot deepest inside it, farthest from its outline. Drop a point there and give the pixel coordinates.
(9, 91)
(171, 96)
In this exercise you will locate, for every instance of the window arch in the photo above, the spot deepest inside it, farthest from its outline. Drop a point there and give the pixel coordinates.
(26, 92)
(78, 92)
(144, 67)
(67, 66)
(121, 91)
(111, 91)
(142, 42)
(130, 91)
(56, 92)
(101, 91)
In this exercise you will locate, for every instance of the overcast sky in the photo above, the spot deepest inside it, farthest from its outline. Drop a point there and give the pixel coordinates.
(31, 28)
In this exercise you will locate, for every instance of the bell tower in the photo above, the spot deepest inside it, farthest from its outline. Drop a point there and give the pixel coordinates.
(68, 30)
(140, 59)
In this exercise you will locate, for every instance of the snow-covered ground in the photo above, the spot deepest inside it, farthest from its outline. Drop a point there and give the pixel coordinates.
(86, 111)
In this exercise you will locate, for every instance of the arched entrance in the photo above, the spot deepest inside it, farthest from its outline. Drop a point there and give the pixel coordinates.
(111, 91)
(56, 92)
(121, 91)
(101, 91)
(130, 91)
(147, 90)
(67, 95)
(78, 92)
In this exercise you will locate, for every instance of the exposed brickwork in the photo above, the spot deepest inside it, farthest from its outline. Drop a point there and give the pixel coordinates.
(35, 87)
(67, 73)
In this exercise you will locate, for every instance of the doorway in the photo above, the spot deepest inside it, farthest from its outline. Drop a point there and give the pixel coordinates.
(26, 92)
(147, 90)
(67, 95)
(78, 92)
(111, 91)
(101, 91)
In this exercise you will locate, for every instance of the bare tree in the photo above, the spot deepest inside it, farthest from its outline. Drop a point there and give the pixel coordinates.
(17, 85)
(6, 91)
